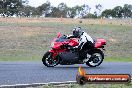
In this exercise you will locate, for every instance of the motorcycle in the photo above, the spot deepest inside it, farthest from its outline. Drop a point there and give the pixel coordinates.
(61, 54)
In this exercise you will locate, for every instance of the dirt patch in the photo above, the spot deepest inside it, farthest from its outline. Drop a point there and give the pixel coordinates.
(127, 22)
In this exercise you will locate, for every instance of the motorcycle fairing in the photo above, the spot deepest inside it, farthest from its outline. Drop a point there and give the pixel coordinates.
(99, 43)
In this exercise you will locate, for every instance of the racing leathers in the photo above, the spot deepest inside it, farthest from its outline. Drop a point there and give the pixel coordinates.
(85, 42)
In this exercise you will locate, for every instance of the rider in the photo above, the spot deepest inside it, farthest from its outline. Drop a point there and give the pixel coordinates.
(85, 41)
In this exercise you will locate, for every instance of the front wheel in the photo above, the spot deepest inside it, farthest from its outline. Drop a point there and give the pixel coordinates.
(96, 58)
(49, 61)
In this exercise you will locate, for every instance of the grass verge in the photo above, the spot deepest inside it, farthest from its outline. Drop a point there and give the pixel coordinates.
(38, 58)
(118, 59)
(88, 86)
(29, 39)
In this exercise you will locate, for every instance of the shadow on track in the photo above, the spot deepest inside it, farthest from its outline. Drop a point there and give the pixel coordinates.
(73, 67)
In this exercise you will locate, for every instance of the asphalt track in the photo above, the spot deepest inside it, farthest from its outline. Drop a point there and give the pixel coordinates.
(35, 72)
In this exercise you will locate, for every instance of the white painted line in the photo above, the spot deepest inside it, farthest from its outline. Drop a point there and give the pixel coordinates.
(35, 84)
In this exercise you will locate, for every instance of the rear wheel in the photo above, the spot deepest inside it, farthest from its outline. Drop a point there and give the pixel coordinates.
(96, 58)
(49, 61)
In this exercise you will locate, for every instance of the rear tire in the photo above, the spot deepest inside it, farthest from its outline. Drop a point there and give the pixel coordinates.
(48, 60)
(96, 58)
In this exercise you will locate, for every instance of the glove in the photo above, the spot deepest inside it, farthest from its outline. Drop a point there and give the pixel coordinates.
(76, 48)
(69, 47)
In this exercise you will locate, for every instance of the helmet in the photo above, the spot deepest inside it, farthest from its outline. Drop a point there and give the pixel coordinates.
(77, 31)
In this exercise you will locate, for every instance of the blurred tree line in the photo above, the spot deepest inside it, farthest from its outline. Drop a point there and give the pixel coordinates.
(20, 8)
(118, 12)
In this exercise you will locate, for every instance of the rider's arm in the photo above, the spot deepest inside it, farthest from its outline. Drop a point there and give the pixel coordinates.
(82, 41)
(71, 36)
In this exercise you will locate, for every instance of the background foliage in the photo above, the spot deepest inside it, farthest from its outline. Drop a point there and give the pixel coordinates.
(9, 8)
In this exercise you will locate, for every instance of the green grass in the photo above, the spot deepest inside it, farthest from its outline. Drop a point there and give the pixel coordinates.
(88, 86)
(118, 59)
(39, 58)
(21, 58)
(15, 46)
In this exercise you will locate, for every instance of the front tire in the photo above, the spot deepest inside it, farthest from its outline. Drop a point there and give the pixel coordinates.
(48, 60)
(96, 58)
